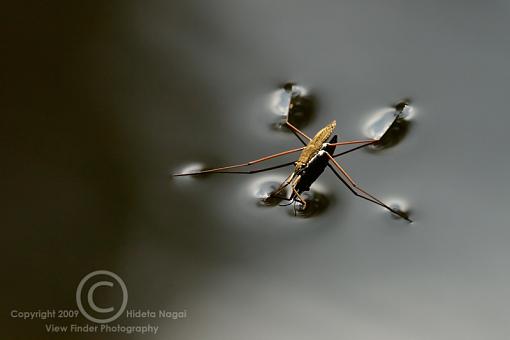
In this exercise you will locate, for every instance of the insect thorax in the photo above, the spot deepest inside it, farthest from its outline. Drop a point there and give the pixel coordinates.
(315, 145)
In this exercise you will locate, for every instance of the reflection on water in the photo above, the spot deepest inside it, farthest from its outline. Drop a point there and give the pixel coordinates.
(265, 191)
(316, 203)
(390, 126)
(190, 168)
(296, 103)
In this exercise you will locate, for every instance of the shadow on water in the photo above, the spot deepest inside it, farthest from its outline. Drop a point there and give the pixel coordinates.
(296, 103)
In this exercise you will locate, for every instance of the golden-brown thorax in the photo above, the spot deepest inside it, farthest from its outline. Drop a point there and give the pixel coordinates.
(315, 145)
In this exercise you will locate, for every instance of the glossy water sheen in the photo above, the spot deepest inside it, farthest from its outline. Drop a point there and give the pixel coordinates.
(105, 101)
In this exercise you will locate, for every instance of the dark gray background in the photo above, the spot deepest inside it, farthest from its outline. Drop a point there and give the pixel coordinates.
(100, 101)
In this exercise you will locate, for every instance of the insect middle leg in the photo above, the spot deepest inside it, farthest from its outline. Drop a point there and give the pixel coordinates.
(362, 141)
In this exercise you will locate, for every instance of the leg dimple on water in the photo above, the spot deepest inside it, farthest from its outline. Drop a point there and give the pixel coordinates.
(316, 203)
(401, 208)
(390, 126)
(295, 103)
(265, 194)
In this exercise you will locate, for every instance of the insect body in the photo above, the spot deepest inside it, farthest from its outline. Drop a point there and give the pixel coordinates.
(315, 156)
(310, 165)
(308, 174)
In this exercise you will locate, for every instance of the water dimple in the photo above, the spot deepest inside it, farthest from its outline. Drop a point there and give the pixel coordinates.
(296, 103)
(189, 169)
(192, 171)
(316, 203)
(264, 194)
(390, 126)
(401, 208)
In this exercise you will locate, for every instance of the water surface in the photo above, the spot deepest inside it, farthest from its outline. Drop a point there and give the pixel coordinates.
(153, 88)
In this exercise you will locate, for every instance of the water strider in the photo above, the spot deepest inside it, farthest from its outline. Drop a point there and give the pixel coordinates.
(316, 154)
